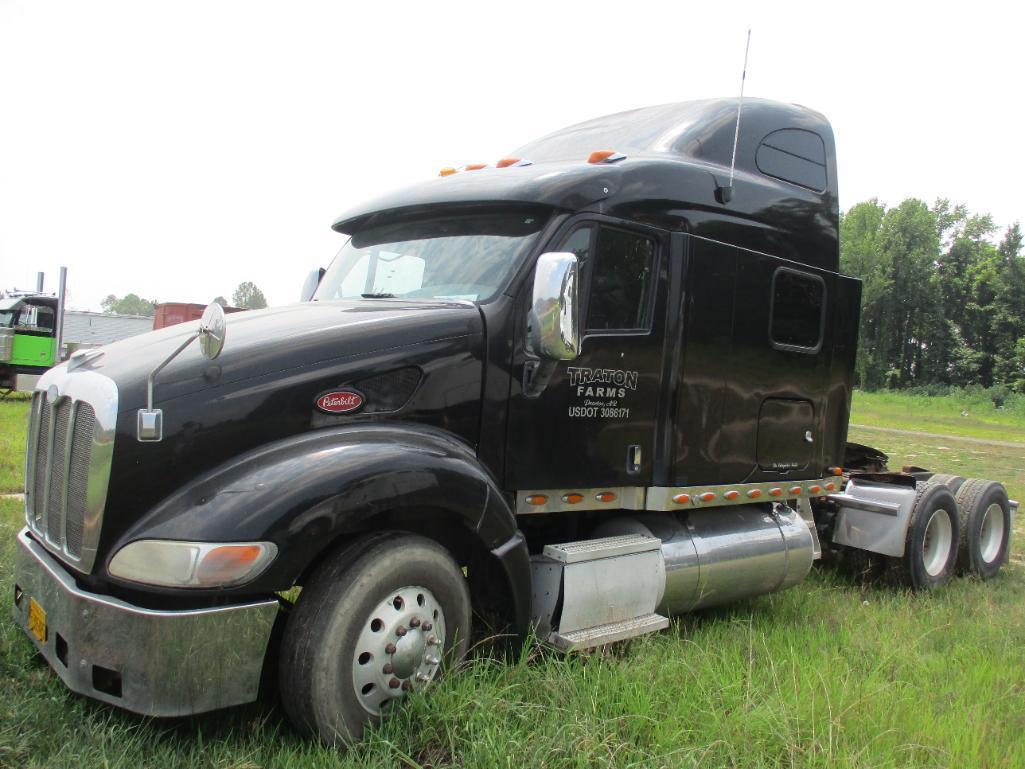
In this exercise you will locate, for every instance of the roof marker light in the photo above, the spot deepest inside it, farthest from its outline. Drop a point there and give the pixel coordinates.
(605, 156)
(682, 499)
(476, 166)
(447, 171)
(836, 471)
(514, 162)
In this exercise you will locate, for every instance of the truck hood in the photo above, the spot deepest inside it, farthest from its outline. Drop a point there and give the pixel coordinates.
(288, 338)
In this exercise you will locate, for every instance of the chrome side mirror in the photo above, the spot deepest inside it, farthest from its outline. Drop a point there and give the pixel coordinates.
(554, 326)
(149, 422)
(211, 331)
(311, 284)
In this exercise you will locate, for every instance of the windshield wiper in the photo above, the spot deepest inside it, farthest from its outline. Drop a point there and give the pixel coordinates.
(379, 296)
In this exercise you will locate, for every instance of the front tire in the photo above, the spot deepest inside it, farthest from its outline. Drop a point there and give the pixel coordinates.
(380, 618)
(930, 551)
(985, 527)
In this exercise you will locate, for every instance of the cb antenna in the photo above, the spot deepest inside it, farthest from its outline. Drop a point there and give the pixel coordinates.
(726, 193)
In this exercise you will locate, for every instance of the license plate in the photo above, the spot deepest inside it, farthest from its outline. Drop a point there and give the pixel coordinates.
(36, 620)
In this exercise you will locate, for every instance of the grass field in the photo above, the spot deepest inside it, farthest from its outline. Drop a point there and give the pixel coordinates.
(828, 674)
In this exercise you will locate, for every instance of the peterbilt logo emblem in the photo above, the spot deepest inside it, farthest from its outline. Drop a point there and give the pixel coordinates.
(339, 402)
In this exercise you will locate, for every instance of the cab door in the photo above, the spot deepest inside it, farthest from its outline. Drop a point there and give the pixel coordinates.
(591, 422)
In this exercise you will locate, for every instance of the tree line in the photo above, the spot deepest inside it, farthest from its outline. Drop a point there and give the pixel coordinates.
(943, 300)
(247, 296)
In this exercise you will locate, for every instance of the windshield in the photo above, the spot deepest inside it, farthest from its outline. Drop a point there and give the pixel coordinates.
(458, 257)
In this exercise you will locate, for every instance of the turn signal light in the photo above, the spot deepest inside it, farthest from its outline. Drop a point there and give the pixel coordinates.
(605, 496)
(682, 499)
(572, 499)
(191, 564)
(537, 500)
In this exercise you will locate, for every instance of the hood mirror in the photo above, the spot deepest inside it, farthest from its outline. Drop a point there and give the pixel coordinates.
(311, 284)
(149, 424)
(554, 326)
(211, 331)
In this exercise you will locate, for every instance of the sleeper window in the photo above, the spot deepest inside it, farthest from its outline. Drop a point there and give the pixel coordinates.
(798, 300)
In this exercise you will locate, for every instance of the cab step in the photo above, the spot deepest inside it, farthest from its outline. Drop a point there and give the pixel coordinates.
(598, 591)
(606, 634)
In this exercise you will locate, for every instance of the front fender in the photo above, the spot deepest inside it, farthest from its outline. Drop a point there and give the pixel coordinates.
(304, 492)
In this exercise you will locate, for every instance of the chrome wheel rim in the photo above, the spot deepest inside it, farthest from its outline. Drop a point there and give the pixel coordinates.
(399, 648)
(991, 536)
(937, 541)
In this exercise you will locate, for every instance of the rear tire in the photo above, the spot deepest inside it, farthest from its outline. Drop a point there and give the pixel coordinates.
(381, 617)
(930, 552)
(985, 527)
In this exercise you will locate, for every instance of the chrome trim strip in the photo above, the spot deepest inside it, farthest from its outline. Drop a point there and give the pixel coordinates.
(68, 442)
(661, 498)
(43, 516)
(30, 456)
(626, 498)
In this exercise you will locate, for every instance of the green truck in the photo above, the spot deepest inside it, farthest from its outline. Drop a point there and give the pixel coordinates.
(29, 339)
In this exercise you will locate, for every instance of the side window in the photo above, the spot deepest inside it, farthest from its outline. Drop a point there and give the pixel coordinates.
(798, 304)
(620, 279)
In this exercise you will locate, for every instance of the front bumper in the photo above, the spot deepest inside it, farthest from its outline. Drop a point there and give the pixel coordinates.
(157, 663)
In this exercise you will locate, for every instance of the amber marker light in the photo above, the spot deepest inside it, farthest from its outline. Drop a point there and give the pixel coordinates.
(682, 499)
(754, 493)
(814, 489)
(506, 162)
(731, 495)
(446, 171)
(605, 496)
(830, 487)
(796, 490)
(777, 492)
(572, 499)
(708, 496)
(836, 471)
(476, 166)
(537, 500)
(605, 156)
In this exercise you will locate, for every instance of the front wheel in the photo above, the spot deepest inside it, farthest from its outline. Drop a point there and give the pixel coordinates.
(380, 618)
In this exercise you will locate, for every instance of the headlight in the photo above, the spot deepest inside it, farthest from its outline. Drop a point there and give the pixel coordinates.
(191, 564)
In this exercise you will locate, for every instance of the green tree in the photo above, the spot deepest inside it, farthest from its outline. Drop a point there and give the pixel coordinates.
(861, 257)
(1008, 312)
(130, 304)
(221, 301)
(248, 296)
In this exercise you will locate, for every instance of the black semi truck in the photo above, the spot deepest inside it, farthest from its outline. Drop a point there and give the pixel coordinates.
(602, 381)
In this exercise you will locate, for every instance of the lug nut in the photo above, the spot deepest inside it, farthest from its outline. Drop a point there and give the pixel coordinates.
(432, 640)
(429, 660)
(395, 683)
(427, 626)
(406, 686)
(388, 669)
(422, 677)
(415, 622)
(400, 631)
(389, 649)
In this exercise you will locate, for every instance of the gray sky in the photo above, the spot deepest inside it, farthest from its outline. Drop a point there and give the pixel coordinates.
(175, 149)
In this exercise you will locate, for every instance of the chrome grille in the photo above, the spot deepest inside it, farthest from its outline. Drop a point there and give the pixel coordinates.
(70, 445)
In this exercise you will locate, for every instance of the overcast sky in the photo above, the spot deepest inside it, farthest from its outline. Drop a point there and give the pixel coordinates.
(174, 149)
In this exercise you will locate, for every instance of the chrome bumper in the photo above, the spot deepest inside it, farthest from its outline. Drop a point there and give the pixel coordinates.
(157, 663)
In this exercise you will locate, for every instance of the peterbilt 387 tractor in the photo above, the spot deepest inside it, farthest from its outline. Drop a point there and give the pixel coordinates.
(600, 382)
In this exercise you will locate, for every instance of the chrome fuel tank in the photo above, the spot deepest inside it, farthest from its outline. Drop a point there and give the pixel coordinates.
(713, 557)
